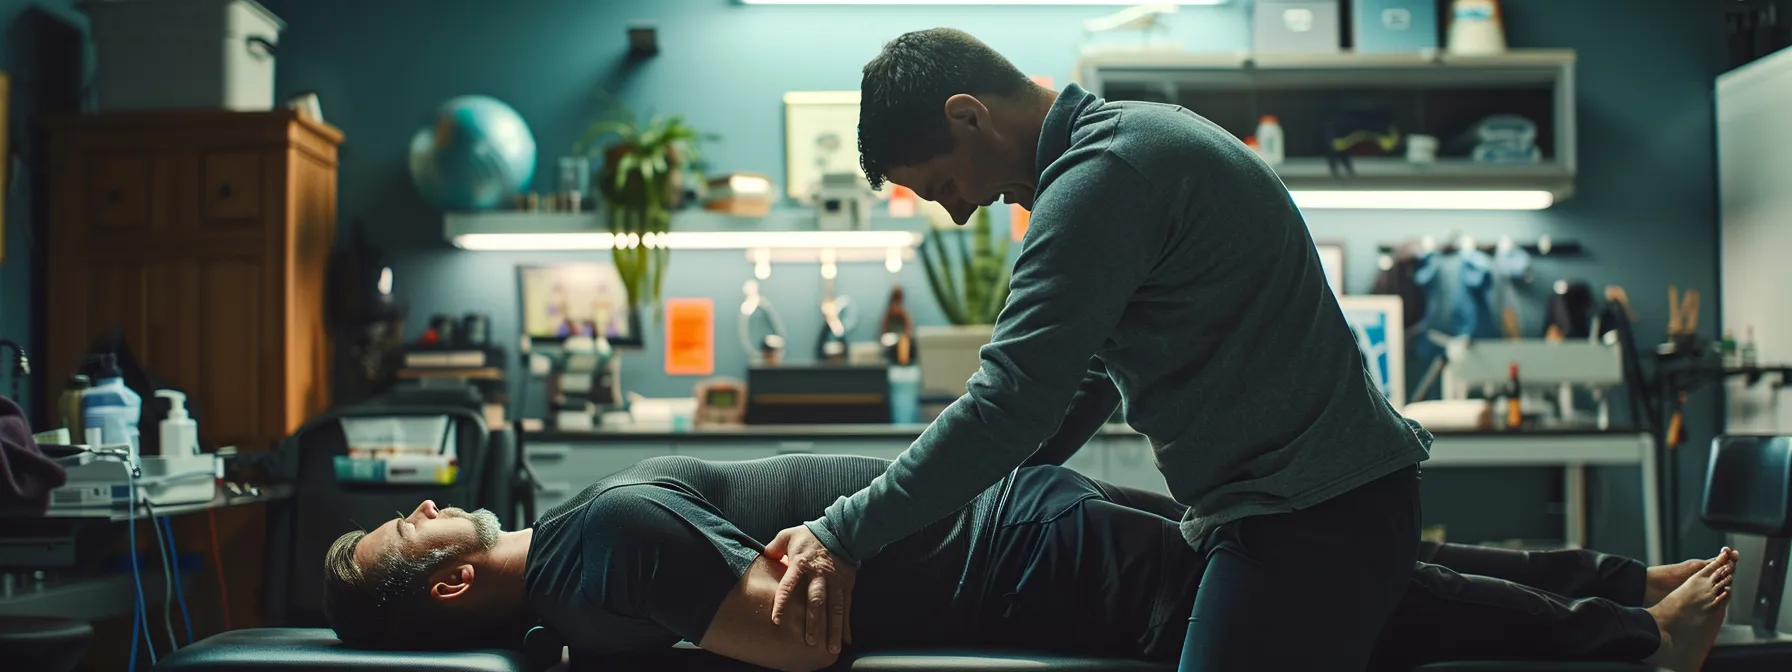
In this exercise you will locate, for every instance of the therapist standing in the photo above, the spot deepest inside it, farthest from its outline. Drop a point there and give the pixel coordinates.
(1166, 260)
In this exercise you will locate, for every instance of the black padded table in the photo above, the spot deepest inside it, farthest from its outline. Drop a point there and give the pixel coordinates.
(317, 650)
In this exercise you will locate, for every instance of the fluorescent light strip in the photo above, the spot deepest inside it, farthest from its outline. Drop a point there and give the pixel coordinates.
(975, 2)
(692, 240)
(1423, 200)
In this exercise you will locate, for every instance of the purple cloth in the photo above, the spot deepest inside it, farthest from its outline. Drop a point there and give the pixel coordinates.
(26, 475)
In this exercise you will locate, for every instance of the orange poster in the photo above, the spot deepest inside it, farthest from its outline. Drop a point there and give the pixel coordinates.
(690, 337)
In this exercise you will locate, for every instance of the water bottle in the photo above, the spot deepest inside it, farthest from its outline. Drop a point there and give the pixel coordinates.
(1270, 142)
(110, 407)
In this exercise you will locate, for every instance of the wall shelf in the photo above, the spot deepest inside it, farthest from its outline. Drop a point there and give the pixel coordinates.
(1424, 92)
(782, 236)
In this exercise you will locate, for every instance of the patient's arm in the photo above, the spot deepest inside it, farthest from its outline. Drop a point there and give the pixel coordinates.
(742, 628)
(671, 559)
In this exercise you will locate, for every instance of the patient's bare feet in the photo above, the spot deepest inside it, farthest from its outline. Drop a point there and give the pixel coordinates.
(1689, 617)
(1663, 579)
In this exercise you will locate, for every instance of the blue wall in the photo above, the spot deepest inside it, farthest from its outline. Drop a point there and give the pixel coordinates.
(1644, 206)
(45, 53)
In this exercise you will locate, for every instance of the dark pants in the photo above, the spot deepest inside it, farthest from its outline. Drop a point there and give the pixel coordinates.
(1089, 568)
(1493, 604)
(1309, 589)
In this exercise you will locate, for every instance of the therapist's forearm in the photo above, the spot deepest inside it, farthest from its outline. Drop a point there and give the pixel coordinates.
(1095, 401)
(959, 456)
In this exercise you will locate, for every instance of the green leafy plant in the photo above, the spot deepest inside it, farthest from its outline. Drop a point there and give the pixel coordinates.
(644, 163)
(976, 295)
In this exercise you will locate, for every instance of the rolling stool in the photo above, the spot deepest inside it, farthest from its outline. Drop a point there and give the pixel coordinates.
(43, 644)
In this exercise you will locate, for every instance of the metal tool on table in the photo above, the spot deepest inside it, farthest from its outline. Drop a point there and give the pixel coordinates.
(837, 318)
(768, 350)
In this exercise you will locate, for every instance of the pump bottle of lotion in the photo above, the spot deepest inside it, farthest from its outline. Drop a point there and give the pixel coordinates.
(179, 433)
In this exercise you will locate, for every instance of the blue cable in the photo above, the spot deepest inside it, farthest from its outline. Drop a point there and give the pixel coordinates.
(179, 592)
(141, 618)
(136, 632)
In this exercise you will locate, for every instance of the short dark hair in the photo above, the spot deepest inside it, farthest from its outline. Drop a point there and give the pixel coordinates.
(387, 605)
(904, 89)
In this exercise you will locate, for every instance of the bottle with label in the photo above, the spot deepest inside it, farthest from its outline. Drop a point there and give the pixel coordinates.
(1270, 142)
(1745, 351)
(1514, 409)
(179, 433)
(110, 408)
(1727, 349)
(69, 406)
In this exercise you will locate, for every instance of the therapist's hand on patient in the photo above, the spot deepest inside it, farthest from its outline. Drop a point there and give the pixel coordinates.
(828, 617)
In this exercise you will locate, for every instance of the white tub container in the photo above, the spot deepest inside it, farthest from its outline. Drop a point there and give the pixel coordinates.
(164, 54)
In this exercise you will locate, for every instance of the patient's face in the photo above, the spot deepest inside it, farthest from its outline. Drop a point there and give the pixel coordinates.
(447, 532)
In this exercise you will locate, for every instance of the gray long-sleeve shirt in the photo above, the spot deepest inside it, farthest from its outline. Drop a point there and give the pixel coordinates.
(1165, 249)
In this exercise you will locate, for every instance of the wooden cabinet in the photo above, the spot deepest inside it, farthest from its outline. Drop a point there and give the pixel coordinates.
(204, 236)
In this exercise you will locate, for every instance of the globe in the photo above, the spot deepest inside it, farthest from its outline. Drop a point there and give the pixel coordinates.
(477, 155)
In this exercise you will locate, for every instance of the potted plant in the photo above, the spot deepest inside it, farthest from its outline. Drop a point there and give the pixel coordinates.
(971, 299)
(641, 183)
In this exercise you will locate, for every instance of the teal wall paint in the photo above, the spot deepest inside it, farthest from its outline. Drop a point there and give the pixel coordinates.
(44, 50)
(1644, 205)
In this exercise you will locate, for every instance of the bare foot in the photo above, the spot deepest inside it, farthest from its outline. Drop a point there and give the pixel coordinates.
(1663, 579)
(1690, 616)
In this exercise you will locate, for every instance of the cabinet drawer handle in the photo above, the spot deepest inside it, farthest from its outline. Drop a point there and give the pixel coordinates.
(113, 196)
(224, 190)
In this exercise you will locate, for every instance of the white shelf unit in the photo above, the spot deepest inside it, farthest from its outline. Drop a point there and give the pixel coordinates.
(1178, 76)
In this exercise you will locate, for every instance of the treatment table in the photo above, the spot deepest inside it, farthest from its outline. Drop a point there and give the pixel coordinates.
(1748, 490)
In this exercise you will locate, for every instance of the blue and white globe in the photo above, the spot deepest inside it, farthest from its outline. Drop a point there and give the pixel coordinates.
(477, 156)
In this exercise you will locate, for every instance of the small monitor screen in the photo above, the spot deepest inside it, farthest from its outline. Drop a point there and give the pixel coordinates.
(585, 299)
(722, 397)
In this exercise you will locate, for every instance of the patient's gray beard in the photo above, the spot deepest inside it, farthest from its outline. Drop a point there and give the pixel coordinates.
(485, 525)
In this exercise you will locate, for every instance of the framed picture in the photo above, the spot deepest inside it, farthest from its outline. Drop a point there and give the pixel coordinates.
(821, 136)
(1379, 325)
(566, 300)
(1331, 258)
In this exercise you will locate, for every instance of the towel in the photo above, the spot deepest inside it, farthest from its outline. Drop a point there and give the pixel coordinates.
(26, 475)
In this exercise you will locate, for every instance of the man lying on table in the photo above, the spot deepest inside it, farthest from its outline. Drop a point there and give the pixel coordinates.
(1046, 560)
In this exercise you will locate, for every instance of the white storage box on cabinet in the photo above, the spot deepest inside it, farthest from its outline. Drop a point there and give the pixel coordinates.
(170, 54)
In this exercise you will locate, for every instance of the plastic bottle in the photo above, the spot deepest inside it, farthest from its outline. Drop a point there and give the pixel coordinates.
(110, 407)
(1745, 352)
(1727, 349)
(69, 406)
(180, 434)
(1514, 399)
(1270, 142)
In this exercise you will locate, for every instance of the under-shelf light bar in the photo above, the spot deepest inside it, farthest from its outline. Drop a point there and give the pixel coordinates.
(690, 240)
(976, 2)
(1423, 200)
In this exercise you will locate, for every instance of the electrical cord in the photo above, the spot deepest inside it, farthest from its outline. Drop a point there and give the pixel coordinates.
(211, 521)
(142, 608)
(180, 592)
(167, 577)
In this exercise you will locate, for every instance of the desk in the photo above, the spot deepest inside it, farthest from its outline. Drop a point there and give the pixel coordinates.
(91, 598)
(220, 500)
(1573, 451)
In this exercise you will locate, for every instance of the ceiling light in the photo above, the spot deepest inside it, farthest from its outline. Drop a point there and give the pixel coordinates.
(1423, 200)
